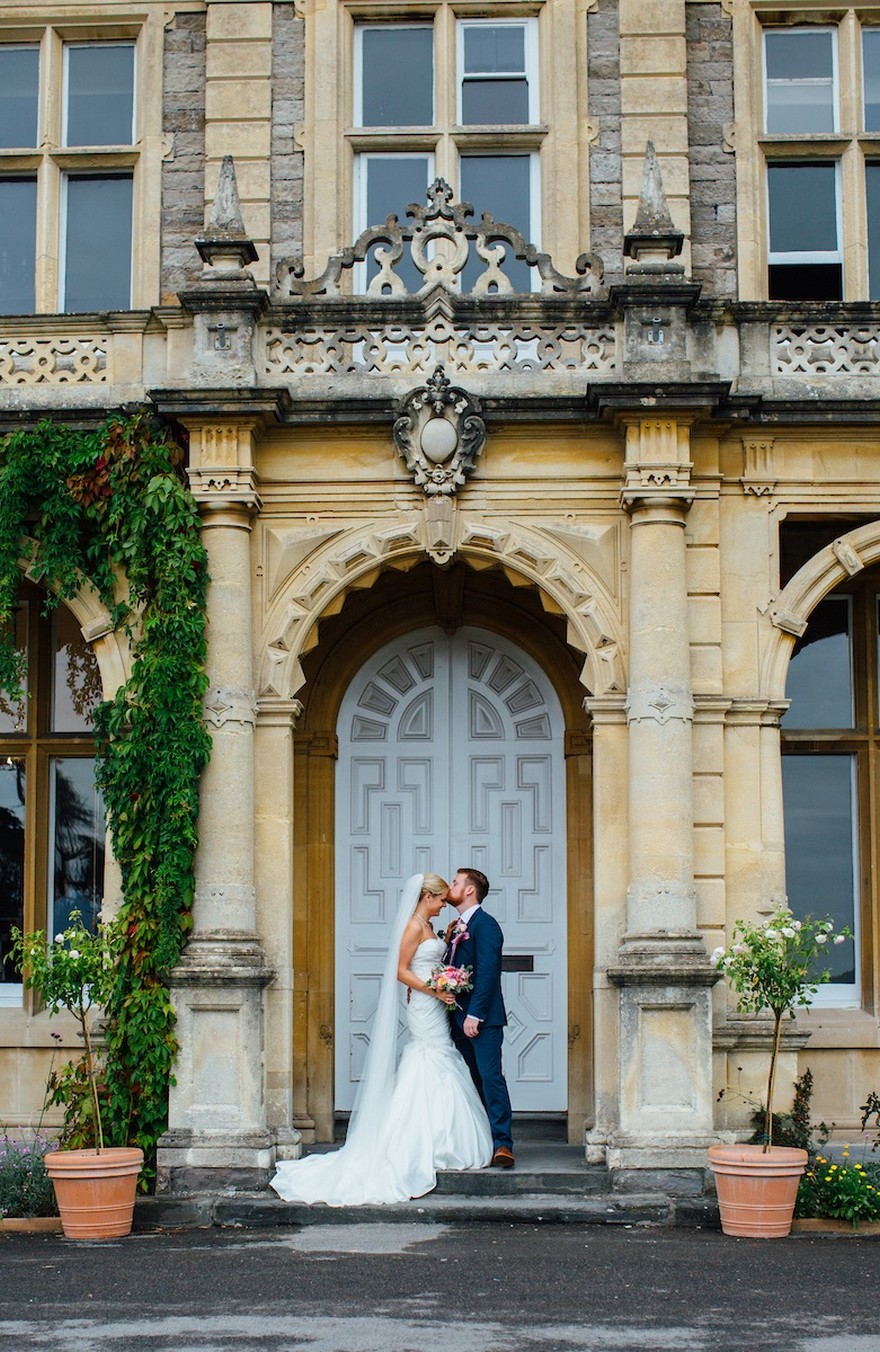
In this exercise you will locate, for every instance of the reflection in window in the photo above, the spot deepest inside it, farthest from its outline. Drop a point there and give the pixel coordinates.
(819, 795)
(76, 828)
(872, 194)
(76, 680)
(19, 88)
(12, 802)
(13, 716)
(820, 684)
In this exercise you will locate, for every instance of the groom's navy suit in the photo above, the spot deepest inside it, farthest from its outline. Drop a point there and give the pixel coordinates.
(481, 950)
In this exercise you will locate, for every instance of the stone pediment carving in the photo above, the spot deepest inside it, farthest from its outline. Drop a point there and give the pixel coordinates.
(440, 241)
(439, 433)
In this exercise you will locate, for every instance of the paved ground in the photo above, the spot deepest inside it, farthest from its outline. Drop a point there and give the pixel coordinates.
(456, 1288)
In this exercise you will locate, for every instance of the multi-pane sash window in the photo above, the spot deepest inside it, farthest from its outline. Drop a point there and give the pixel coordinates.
(73, 159)
(481, 146)
(52, 836)
(831, 773)
(800, 66)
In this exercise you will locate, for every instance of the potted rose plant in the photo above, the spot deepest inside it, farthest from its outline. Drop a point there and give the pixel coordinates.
(95, 1184)
(772, 966)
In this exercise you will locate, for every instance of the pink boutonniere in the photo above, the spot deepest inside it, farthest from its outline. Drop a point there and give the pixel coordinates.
(459, 933)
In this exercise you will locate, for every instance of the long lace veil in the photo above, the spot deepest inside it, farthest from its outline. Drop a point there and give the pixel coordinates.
(380, 1063)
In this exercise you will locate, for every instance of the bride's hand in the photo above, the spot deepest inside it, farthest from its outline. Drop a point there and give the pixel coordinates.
(446, 996)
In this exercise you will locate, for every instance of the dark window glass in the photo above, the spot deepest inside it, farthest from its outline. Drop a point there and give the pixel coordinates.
(800, 81)
(803, 208)
(819, 799)
(12, 799)
(98, 240)
(100, 95)
(871, 67)
(820, 684)
(805, 281)
(397, 77)
(872, 190)
(19, 82)
(393, 181)
(18, 246)
(500, 185)
(77, 836)
(494, 87)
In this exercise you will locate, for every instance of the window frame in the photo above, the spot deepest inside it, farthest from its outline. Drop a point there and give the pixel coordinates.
(51, 159)
(862, 743)
(806, 257)
(776, 30)
(358, 73)
(37, 745)
(530, 72)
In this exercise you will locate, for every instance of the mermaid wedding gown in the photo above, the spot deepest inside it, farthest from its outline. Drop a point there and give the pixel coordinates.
(433, 1119)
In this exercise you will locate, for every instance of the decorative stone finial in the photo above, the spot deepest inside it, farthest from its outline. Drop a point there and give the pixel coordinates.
(653, 240)
(225, 248)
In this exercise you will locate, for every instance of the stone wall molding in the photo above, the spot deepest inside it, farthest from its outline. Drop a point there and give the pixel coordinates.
(225, 704)
(659, 702)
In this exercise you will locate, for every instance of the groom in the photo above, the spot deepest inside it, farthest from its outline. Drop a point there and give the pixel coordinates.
(475, 940)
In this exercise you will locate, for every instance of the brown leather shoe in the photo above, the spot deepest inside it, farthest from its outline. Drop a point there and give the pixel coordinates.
(503, 1158)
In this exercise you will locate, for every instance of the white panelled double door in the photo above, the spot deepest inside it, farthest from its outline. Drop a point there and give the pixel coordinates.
(451, 753)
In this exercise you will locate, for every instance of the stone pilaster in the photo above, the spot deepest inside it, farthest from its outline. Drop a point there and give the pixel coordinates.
(218, 1134)
(662, 968)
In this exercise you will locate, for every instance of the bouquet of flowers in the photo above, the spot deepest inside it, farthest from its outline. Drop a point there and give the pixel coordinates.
(451, 980)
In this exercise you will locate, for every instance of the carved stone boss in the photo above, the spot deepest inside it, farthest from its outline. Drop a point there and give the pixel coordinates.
(439, 432)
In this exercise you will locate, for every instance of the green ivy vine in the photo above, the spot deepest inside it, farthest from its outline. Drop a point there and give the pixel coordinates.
(111, 508)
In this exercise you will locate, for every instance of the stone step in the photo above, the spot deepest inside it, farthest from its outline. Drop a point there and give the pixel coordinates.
(266, 1211)
(588, 1180)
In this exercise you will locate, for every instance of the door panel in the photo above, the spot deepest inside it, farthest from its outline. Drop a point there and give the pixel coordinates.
(450, 753)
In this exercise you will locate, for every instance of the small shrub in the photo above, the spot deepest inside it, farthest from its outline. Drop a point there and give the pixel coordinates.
(844, 1191)
(25, 1187)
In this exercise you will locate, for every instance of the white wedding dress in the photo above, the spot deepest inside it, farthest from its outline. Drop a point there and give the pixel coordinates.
(433, 1119)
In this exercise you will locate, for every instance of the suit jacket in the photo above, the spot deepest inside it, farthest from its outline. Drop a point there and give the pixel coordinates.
(481, 951)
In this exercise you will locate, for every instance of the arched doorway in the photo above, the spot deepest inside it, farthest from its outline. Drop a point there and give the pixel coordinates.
(395, 605)
(451, 752)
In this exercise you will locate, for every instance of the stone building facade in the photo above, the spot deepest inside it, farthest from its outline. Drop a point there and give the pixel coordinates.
(546, 539)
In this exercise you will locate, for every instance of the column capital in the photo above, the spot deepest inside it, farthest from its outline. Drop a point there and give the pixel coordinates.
(657, 467)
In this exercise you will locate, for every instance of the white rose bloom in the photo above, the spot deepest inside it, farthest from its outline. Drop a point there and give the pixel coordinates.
(740, 948)
(788, 932)
(717, 955)
(59, 938)
(839, 938)
(796, 925)
(772, 934)
(821, 938)
(74, 952)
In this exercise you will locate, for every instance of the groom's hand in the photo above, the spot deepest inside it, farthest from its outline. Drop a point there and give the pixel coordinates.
(471, 1026)
(447, 937)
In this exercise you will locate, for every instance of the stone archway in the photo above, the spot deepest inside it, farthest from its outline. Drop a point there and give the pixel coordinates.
(789, 612)
(394, 603)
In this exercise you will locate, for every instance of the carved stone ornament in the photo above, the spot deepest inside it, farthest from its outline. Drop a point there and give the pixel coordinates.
(439, 433)
(439, 244)
(224, 704)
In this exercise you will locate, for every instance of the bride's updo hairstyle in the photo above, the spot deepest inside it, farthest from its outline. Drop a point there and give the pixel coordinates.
(433, 883)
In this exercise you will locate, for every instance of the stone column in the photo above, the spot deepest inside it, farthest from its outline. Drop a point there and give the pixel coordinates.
(218, 1134)
(662, 968)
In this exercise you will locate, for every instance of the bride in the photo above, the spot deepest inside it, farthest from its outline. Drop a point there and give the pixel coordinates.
(422, 1116)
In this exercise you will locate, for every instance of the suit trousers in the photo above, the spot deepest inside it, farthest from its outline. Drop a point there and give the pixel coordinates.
(483, 1057)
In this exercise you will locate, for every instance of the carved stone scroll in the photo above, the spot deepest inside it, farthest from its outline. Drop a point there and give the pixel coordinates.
(439, 433)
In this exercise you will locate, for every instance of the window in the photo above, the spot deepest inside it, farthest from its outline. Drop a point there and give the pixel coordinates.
(74, 155)
(486, 143)
(831, 770)
(52, 837)
(804, 255)
(822, 242)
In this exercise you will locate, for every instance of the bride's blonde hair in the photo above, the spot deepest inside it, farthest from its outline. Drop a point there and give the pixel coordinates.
(433, 883)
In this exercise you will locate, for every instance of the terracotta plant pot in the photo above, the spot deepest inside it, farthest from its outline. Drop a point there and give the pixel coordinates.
(757, 1188)
(95, 1190)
